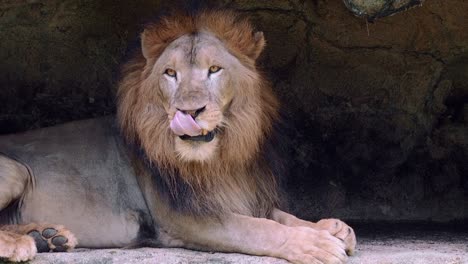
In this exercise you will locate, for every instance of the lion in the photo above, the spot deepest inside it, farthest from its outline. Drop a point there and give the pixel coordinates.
(187, 162)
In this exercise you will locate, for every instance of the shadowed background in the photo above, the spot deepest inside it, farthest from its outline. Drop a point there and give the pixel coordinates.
(377, 112)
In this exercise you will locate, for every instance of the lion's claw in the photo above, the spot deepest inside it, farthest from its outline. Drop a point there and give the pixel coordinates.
(340, 230)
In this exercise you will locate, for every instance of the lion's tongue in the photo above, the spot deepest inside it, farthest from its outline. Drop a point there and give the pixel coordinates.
(183, 124)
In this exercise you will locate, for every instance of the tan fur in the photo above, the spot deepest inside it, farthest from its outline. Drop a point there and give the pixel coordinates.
(15, 247)
(144, 113)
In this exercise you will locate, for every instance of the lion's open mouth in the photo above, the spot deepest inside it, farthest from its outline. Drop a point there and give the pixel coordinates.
(205, 138)
(185, 126)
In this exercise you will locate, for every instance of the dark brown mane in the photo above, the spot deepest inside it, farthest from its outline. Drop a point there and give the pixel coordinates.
(238, 179)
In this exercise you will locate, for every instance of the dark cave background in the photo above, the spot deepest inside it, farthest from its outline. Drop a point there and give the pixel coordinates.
(376, 113)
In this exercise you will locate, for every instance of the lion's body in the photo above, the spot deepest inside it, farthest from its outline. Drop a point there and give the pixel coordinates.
(187, 163)
(82, 178)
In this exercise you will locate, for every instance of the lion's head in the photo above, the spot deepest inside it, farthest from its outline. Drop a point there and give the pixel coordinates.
(194, 94)
(194, 102)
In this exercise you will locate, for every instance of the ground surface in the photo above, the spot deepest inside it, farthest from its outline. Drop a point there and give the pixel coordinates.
(414, 248)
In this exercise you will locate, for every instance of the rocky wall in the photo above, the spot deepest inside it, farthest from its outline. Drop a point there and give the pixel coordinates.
(376, 113)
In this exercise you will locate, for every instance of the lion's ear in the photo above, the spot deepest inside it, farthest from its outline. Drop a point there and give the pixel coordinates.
(258, 45)
(152, 42)
(146, 43)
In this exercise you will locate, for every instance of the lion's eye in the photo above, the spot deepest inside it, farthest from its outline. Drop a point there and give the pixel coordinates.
(170, 72)
(214, 69)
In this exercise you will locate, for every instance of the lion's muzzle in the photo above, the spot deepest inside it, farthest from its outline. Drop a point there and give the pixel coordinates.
(184, 125)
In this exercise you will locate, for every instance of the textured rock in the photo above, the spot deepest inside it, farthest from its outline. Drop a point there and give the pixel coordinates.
(372, 9)
(377, 118)
(433, 250)
(149, 255)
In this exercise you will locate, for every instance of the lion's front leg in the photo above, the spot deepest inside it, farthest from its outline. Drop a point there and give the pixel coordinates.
(258, 236)
(336, 227)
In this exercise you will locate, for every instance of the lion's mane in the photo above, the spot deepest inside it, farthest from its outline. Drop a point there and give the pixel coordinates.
(239, 179)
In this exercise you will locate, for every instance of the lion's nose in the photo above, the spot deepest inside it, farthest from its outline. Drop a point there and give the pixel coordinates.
(193, 113)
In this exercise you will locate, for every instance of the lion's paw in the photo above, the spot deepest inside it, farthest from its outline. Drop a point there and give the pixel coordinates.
(53, 238)
(16, 248)
(309, 246)
(340, 230)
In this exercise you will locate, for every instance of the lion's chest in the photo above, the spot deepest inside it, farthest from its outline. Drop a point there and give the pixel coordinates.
(214, 193)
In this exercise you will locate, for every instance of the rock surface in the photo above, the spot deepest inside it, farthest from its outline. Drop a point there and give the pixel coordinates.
(370, 251)
(373, 9)
(377, 113)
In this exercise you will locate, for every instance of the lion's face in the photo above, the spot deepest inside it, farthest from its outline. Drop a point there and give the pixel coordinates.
(193, 96)
(196, 83)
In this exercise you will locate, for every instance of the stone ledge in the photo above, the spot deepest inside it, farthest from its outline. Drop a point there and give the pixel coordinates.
(442, 249)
